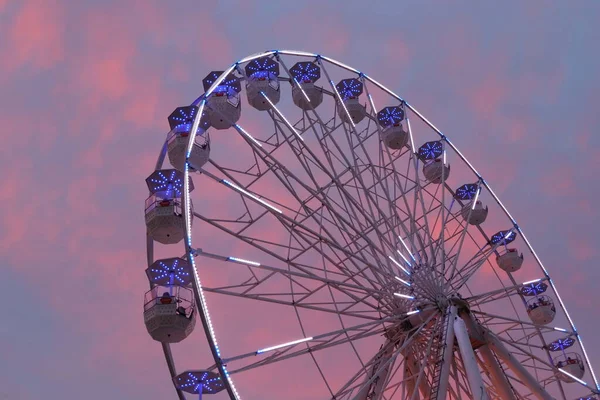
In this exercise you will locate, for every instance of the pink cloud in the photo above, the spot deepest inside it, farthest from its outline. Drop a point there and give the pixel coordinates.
(36, 36)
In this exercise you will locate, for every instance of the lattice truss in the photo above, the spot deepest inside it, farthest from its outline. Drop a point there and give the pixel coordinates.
(308, 221)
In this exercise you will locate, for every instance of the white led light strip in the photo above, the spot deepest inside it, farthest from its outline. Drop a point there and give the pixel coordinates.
(399, 265)
(532, 281)
(249, 136)
(242, 261)
(279, 346)
(572, 376)
(282, 117)
(239, 189)
(476, 197)
(406, 247)
(402, 280)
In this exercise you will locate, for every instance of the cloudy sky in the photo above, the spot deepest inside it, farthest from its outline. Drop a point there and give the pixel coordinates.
(86, 88)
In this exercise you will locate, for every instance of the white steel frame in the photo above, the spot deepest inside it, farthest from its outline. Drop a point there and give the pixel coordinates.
(382, 260)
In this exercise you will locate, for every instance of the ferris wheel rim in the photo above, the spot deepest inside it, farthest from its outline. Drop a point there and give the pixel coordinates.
(201, 303)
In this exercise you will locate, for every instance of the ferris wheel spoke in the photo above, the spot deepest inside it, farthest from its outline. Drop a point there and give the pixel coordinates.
(293, 225)
(355, 388)
(473, 265)
(533, 358)
(341, 219)
(337, 284)
(357, 291)
(372, 218)
(377, 181)
(498, 294)
(314, 343)
(494, 319)
(353, 214)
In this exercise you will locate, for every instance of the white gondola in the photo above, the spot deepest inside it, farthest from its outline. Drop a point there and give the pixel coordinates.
(434, 169)
(314, 94)
(475, 215)
(224, 108)
(259, 84)
(164, 211)
(570, 363)
(541, 310)
(509, 260)
(394, 136)
(262, 80)
(164, 219)
(177, 147)
(356, 110)
(223, 105)
(305, 93)
(169, 313)
(349, 91)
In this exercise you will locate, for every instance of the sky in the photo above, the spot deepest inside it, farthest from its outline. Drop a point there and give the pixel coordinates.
(86, 88)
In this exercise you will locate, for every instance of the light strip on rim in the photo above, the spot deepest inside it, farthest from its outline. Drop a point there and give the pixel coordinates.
(211, 336)
(242, 261)
(279, 346)
(572, 376)
(282, 116)
(413, 312)
(560, 329)
(342, 103)
(476, 197)
(406, 247)
(402, 280)
(239, 189)
(242, 131)
(533, 281)
(404, 296)
(399, 265)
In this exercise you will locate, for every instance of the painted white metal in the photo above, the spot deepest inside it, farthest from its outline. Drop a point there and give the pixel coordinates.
(202, 306)
(498, 376)
(470, 362)
(448, 354)
(518, 369)
(377, 387)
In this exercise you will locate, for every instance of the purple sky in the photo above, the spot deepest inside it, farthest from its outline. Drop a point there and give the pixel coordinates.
(87, 87)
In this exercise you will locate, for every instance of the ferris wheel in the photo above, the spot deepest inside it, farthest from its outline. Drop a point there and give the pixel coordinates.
(330, 246)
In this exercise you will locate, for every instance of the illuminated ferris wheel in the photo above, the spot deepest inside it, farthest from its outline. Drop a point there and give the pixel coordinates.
(328, 244)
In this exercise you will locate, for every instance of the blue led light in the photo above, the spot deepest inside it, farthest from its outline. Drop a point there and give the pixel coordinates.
(430, 150)
(230, 84)
(183, 118)
(390, 116)
(264, 66)
(170, 271)
(196, 381)
(166, 183)
(533, 289)
(305, 71)
(466, 191)
(561, 344)
(348, 88)
(503, 237)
